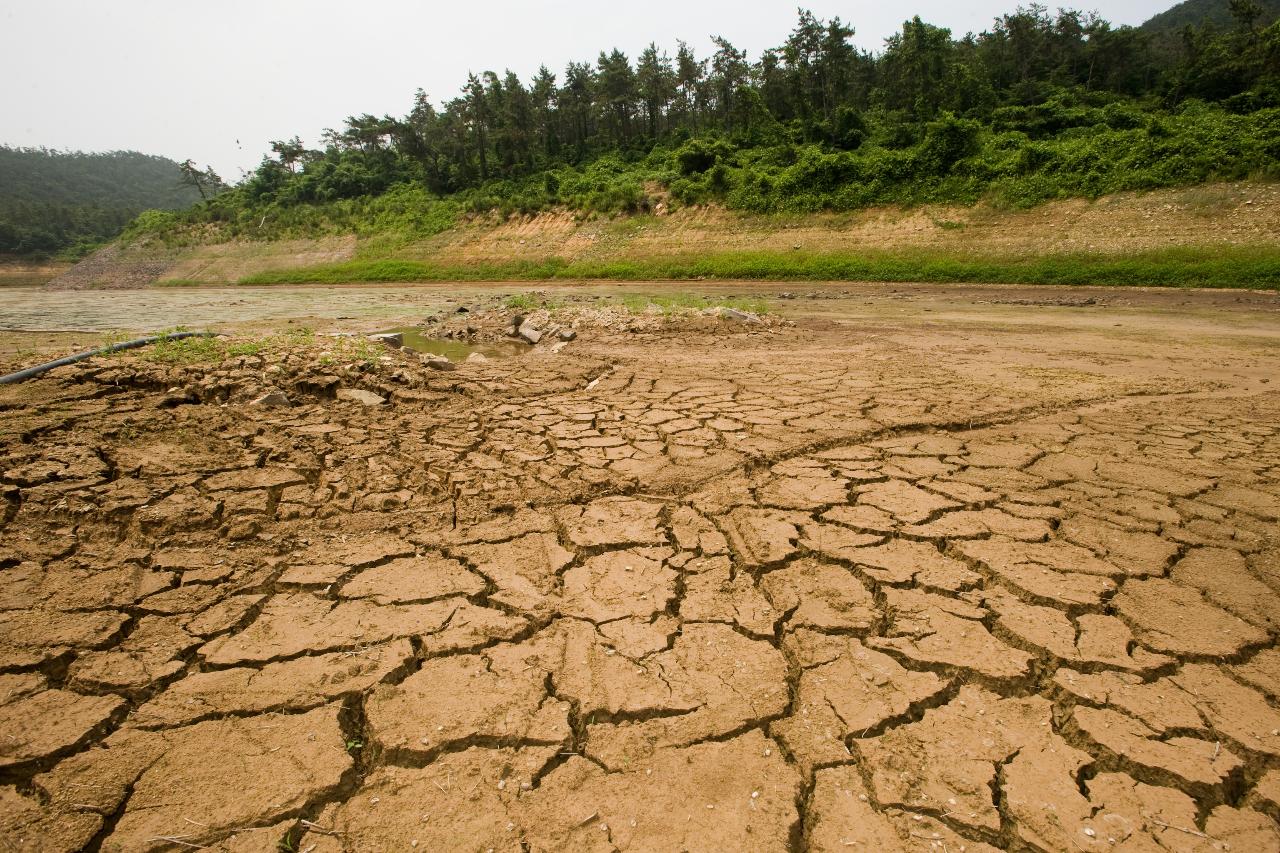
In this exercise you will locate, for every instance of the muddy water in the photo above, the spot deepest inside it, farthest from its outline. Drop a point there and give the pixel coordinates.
(36, 309)
(33, 309)
(456, 350)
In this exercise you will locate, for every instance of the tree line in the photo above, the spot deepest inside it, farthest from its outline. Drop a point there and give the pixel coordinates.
(816, 88)
(51, 200)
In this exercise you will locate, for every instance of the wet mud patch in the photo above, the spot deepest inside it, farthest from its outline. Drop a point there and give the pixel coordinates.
(455, 349)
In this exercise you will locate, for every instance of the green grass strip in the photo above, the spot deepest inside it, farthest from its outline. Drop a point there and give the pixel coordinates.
(1227, 267)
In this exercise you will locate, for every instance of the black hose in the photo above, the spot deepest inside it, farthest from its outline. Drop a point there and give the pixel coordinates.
(30, 372)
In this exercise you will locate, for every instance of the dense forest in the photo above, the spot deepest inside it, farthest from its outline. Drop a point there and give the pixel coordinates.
(1041, 105)
(54, 200)
(1194, 13)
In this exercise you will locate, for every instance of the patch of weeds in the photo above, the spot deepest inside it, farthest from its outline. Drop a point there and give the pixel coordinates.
(299, 336)
(635, 303)
(356, 348)
(185, 351)
(355, 745)
(112, 338)
(752, 304)
(178, 282)
(520, 302)
(949, 224)
(246, 347)
(200, 349)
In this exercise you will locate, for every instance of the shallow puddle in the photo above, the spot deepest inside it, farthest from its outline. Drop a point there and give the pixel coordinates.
(456, 350)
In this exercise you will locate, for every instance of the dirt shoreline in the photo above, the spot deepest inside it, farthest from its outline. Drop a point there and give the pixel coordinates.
(891, 569)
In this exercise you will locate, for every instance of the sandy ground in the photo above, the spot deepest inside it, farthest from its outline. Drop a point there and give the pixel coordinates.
(916, 569)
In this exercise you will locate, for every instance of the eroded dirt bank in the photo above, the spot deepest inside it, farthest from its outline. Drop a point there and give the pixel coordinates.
(892, 574)
(1206, 217)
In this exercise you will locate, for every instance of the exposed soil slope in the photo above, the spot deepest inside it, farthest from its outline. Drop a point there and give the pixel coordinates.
(1214, 215)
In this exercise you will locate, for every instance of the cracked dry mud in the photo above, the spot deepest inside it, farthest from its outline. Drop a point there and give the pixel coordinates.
(976, 583)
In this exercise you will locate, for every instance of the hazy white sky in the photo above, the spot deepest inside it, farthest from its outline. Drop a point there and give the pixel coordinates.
(189, 79)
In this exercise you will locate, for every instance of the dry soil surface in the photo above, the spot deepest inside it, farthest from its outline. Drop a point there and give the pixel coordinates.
(916, 571)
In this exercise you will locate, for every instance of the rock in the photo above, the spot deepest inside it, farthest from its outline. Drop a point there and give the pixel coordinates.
(395, 340)
(529, 332)
(178, 397)
(365, 398)
(477, 358)
(738, 316)
(567, 334)
(438, 362)
(322, 386)
(272, 400)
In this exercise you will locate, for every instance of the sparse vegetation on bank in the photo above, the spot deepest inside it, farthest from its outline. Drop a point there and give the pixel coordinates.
(1181, 267)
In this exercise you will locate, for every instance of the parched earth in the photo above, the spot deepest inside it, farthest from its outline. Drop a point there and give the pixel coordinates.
(922, 576)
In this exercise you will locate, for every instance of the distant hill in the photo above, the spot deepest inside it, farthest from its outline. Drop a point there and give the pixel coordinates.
(1195, 12)
(54, 200)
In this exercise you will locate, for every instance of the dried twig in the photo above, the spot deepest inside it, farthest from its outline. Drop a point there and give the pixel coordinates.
(315, 827)
(177, 839)
(1197, 833)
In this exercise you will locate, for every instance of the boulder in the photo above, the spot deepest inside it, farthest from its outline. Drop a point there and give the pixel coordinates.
(529, 333)
(738, 316)
(438, 362)
(395, 340)
(272, 399)
(321, 386)
(365, 398)
(178, 397)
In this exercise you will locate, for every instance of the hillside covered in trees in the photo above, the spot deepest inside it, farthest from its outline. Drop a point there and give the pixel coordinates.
(54, 200)
(1194, 13)
(1039, 106)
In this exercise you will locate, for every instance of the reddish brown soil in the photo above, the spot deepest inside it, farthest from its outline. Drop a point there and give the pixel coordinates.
(919, 573)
